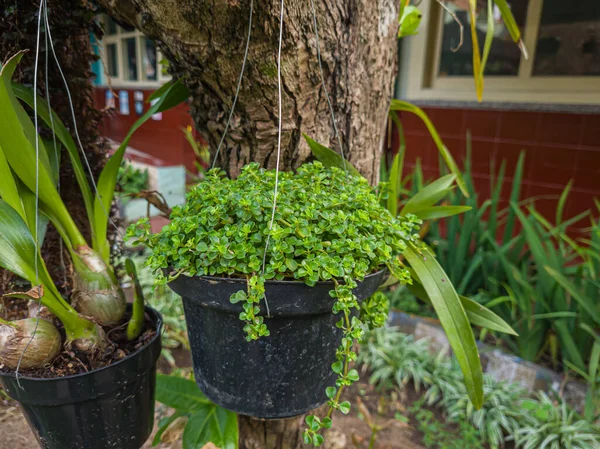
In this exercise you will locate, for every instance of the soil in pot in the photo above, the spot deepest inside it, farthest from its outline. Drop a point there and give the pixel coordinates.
(79, 403)
(282, 375)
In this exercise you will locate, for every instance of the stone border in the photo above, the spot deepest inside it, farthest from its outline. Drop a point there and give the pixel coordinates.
(496, 363)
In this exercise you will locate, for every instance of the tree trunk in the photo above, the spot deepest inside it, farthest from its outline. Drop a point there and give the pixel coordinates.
(71, 22)
(204, 42)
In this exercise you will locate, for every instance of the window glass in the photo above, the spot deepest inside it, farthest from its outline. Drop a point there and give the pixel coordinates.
(149, 58)
(505, 56)
(130, 59)
(111, 60)
(568, 42)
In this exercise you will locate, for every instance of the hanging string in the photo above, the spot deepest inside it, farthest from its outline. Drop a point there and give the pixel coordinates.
(87, 163)
(37, 190)
(239, 85)
(278, 146)
(333, 120)
(61, 255)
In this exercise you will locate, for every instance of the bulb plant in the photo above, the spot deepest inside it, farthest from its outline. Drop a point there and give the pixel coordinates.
(29, 165)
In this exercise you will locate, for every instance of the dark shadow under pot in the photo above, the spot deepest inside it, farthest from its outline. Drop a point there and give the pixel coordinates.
(279, 376)
(112, 407)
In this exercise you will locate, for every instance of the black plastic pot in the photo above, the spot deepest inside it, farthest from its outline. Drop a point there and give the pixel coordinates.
(279, 376)
(112, 407)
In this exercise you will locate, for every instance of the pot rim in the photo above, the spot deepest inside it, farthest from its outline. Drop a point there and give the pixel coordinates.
(273, 281)
(158, 326)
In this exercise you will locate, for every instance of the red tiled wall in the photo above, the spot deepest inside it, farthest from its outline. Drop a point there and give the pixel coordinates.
(559, 147)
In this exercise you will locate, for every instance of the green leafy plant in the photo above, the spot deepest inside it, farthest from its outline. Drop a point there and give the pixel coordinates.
(325, 228)
(395, 359)
(552, 297)
(440, 435)
(545, 424)
(508, 414)
(28, 165)
(131, 180)
(498, 416)
(202, 421)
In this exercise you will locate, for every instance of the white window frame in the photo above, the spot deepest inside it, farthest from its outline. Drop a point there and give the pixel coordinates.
(119, 80)
(420, 58)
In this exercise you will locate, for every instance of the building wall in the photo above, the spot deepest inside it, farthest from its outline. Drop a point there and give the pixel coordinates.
(161, 140)
(558, 146)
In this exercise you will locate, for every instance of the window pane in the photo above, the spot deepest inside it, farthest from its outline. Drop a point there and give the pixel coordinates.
(505, 56)
(130, 59)
(149, 56)
(569, 39)
(111, 60)
(110, 26)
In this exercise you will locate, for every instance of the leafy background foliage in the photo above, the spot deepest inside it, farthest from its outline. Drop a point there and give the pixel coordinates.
(396, 360)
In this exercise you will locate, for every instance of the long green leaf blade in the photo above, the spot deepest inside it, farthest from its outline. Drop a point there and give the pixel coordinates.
(62, 134)
(174, 95)
(590, 305)
(489, 37)
(570, 349)
(511, 25)
(453, 318)
(328, 157)
(395, 184)
(8, 186)
(17, 248)
(478, 314)
(437, 212)
(21, 155)
(399, 105)
(514, 197)
(429, 195)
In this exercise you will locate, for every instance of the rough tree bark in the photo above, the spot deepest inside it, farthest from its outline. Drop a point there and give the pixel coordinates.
(204, 41)
(71, 22)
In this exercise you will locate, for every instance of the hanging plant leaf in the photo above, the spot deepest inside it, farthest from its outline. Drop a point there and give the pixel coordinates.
(511, 25)
(395, 183)
(329, 158)
(437, 212)
(399, 105)
(62, 134)
(8, 187)
(21, 154)
(478, 315)
(17, 248)
(171, 96)
(453, 318)
(429, 195)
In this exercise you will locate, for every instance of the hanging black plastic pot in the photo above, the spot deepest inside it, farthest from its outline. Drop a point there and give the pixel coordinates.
(112, 407)
(282, 375)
